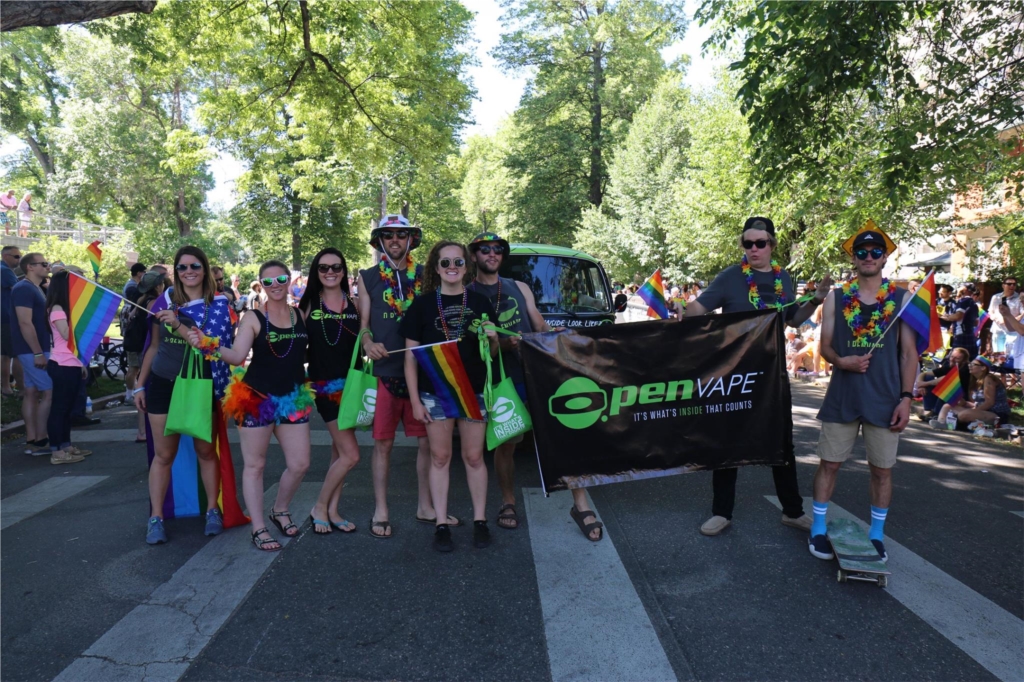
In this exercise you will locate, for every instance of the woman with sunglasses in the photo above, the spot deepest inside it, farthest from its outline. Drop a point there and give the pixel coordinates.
(192, 302)
(988, 401)
(448, 311)
(269, 397)
(333, 325)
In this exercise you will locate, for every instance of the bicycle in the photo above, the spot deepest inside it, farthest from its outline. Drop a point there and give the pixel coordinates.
(112, 358)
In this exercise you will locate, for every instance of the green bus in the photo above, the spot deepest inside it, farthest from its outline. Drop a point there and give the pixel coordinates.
(570, 287)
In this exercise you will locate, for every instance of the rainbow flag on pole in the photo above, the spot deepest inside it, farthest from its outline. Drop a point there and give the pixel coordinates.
(95, 256)
(949, 389)
(443, 364)
(653, 294)
(92, 310)
(982, 321)
(923, 318)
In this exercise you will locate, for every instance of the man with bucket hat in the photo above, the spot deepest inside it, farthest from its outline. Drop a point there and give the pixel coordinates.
(385, 293)
(872, 379)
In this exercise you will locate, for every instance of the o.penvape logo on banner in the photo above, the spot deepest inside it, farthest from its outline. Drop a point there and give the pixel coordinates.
(579, 402)
(365, 417)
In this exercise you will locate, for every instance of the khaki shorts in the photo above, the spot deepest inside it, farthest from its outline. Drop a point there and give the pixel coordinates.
(836, 443)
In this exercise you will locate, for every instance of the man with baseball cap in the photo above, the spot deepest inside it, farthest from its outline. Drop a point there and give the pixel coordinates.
(757, 282)
(385, 293)
(872, 379)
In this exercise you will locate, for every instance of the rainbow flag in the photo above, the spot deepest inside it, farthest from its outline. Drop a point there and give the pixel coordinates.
(186, 495)
(923, 318)
(95, 256)
(982, 321)
(949, 389)
(92, 310)
(653, 294)
(443, 364)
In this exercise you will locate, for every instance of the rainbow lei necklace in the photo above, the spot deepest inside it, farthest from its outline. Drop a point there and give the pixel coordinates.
(755, 295)
(390, 278)
(879, 319)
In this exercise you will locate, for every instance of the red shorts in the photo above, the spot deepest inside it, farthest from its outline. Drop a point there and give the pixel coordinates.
(391, 410)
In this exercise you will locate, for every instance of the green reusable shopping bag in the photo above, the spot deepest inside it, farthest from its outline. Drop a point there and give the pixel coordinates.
(192, 392)
(359, 398)
(506, 415)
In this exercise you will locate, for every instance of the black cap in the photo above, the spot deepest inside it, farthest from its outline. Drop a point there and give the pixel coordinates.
(869, 237)
(760, 223)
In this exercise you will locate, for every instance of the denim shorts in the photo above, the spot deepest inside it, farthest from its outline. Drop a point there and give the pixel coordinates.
(436, 412)
(35, 377)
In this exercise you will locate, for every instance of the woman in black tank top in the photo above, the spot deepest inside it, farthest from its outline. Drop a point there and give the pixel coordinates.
(333, 324)
(271, 396)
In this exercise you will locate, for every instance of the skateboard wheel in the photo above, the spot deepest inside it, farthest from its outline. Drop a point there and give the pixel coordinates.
(883, 581)
(841, 576)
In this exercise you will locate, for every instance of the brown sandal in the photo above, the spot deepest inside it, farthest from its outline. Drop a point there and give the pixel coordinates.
(587, 528)
(506, 517)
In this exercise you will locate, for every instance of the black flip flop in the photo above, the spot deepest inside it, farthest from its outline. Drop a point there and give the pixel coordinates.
(383, 525)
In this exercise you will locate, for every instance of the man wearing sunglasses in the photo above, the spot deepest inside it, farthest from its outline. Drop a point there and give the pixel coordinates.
(1003, 336)
(30, 341)
(872, 379)
(963, 316)
(733, 291)
(386, 291)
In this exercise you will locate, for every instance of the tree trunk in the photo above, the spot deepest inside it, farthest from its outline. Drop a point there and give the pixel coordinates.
(296, 222)
(22, 13)
(184, 227)
(41, 156)
(596, 170)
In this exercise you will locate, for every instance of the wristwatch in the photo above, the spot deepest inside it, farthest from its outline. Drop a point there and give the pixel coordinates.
(906, 394)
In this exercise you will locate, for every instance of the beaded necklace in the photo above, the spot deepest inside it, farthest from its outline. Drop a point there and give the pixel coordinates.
(393, 281)
(291, 341)
(754, 295)
(462, 315)
(879, 319)
(341, 321)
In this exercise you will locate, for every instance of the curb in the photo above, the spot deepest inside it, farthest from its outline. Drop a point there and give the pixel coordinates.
(98, 405)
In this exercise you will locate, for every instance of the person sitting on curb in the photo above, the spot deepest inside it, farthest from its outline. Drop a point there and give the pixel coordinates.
(989, 402)
(955, 359)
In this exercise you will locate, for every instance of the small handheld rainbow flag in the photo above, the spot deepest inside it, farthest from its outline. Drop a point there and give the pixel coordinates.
(949, 389)
(982, 321)
(443, 364)
(653, 294)
(923, 318)
(92, 310)
(95, 256)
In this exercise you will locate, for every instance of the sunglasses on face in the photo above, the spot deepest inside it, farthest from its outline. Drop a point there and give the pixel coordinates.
(219, 280)
(182, 267)
(447, 262)
(40, 262)
(394, 234)
(759, 243)
(876, 253)
(333, 267)
(270, 281)
(486, 249)
(1009, 284)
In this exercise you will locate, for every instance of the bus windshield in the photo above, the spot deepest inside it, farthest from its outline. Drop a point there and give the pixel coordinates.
(561, 285)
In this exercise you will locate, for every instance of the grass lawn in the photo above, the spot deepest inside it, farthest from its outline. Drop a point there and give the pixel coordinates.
(10, 409)
(1017, 410)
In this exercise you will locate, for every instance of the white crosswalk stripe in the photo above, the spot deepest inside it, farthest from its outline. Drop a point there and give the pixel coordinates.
(42, 496)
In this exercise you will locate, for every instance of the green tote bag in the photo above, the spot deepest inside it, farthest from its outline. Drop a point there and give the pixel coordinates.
(359, 398)
(506, 415)
(191, 410)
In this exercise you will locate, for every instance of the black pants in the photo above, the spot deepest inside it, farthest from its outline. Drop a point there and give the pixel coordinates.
(786, 487)
(66, 382)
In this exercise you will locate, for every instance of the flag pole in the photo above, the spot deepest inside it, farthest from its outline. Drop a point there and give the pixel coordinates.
(426, 345)
(905, 304)
(97, 284)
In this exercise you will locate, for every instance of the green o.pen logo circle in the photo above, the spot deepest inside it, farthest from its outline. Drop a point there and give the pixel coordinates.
(578, 403)
(272, 337)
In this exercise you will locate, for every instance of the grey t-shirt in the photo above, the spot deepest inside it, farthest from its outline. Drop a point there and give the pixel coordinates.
(730, 292)
(384, 321)
(512, 316)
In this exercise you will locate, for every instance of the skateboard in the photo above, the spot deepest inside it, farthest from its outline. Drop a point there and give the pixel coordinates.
(858, 558)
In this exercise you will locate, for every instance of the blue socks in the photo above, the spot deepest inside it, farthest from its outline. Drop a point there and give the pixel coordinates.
(818, 526)
(877, 523)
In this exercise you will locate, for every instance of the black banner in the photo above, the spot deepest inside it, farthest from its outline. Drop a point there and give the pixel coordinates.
(630, 401)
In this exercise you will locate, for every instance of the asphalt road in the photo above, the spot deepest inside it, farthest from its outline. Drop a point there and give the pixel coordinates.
(85, 598)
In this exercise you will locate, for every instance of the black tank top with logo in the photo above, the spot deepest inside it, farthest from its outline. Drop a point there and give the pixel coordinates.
(332, 338)
(275, 368)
